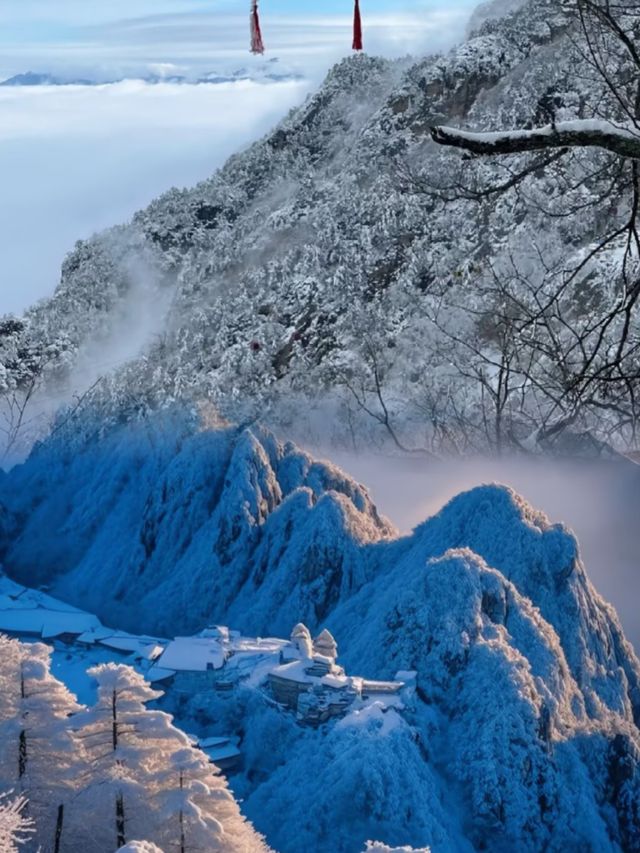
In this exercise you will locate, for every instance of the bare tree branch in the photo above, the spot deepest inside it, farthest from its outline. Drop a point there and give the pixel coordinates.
(581, 133)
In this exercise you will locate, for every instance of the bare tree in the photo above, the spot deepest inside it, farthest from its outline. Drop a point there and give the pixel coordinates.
(367, 389)
(576, 354)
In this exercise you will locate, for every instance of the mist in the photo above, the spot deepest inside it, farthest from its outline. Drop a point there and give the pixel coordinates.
(74, 160)
(597, 499)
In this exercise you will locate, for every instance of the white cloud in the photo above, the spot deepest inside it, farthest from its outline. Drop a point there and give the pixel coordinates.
(74, 160)
(312, 42)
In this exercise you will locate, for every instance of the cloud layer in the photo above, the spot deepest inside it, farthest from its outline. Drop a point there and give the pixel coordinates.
(77, 159)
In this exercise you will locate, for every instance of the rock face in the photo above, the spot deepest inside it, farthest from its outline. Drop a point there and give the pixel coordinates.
(523, 733)
(321, 247)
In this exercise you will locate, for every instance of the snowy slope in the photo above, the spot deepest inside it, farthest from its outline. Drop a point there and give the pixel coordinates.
(320, 246)
(161, 527)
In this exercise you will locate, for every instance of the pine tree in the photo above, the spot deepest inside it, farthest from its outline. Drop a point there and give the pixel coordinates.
(38, 753)
(197, 810)
(120, 741)
(146, 778)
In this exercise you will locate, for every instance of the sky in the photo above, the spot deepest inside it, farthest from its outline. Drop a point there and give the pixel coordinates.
(74, 160)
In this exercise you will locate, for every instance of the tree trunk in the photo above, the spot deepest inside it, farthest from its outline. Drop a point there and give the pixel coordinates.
(22, 747)
(59, 824)
(183, 841)
(114, 721)
(22, 754)
(120, 820)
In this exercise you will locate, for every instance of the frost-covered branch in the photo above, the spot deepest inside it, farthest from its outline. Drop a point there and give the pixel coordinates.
(580, 133)
(15, 826)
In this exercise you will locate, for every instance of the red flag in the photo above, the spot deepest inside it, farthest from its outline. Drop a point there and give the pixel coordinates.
(257, 45)
(357, 27)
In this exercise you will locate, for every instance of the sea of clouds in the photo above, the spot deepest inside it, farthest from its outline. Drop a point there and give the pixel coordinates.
(74, 160)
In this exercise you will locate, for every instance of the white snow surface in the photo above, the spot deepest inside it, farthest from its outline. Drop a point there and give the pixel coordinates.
(376, 847)
(193, 654)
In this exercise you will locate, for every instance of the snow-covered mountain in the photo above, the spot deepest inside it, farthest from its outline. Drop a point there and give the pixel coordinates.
(319, 276)
(524, 730)
(318, 280)
(163, 527)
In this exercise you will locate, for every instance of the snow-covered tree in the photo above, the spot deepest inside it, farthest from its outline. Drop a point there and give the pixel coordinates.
(580, 352)
(38, 753)
(123, 741)
(196, 809)
(146, 778)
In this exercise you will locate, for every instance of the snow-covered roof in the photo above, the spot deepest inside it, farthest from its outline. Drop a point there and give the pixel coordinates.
(14, 596)
(67, 623)
(294, 671)
(88, 638)
(222, 752)
(210, 742)
(406, 675)
(31, 611)
(336, 681)
(258, 645)
(157, 673)
(193, 654)
(143, 647)
(46, 623)
(215, 632)
(381, 686)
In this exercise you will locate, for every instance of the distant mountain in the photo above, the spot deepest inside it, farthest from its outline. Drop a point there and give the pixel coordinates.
(267, 71)
(31, 78)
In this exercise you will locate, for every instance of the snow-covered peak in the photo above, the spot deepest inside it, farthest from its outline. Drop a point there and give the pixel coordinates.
(169, 527)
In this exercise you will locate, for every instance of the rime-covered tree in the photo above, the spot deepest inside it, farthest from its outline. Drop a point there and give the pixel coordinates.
(577, 327)
(147, 780)
(39, 755)
(195, 808)
(121, 738)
